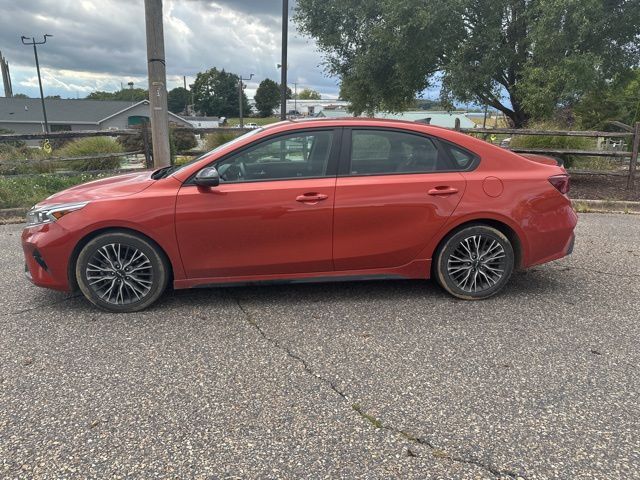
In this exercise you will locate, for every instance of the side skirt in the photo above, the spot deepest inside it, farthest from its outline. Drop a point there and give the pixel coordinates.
(419, 269)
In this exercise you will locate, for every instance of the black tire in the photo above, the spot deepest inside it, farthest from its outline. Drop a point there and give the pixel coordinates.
(139, 279)
(469, 276)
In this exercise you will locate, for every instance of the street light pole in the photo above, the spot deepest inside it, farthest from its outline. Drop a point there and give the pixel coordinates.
(240, 102)
(283, 63)
(35, 53)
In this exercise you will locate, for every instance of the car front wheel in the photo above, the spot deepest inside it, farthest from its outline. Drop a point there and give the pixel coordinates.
(475, 262)
(121, 272)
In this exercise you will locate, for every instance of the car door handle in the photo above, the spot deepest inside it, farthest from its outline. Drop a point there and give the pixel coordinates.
(443, 190)
(311, 197)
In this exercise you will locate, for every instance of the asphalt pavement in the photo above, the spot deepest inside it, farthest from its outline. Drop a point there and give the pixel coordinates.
(352, 380)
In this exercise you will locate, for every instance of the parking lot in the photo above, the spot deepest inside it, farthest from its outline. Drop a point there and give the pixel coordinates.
(352, 380)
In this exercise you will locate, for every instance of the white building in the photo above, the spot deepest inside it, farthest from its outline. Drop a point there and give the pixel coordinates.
(204, 122)
(437, 118)
(310, 108)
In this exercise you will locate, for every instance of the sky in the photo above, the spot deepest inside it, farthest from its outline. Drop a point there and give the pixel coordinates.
(100, 44)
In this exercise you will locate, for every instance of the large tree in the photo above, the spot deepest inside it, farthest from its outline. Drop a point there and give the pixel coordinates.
(125, 94)
(523, 57)
(308, 94)
(177, 99)
(618, 100)
(215, 92)
(267, 97)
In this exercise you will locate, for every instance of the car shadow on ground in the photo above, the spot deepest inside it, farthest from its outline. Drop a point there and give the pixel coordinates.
(537, 281)
(528, 282)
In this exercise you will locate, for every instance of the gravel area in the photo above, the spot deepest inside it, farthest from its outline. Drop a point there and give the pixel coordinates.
(603, 187)
(352, 380)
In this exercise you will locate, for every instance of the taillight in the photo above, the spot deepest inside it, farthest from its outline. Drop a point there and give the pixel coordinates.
(561, 182)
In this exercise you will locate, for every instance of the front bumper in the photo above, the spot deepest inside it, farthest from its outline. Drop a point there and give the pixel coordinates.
(47, 250)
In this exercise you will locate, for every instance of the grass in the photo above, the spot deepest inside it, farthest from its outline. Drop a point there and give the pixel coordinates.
(83, 147)
(24, 192)
(232, 122)
(592, 163)
(214, 140)
(20, 159)
(371, 419)
(554, 142)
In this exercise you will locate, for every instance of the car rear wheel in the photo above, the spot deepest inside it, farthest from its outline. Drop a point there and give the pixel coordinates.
(121, 272)
(475, 262)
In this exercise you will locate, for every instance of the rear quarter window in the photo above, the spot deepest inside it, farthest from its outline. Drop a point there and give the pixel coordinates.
(462, 159)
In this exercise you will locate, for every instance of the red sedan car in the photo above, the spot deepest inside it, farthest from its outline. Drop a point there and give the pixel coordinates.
(307, 201)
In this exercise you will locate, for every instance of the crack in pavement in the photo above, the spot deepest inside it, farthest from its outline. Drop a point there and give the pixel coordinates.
(40, 305)
(376, 423)
(593, 270)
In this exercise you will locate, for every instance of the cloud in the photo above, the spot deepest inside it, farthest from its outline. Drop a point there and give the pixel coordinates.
(99, 44)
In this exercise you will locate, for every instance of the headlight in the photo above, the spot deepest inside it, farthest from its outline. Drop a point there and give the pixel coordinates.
(51, 213)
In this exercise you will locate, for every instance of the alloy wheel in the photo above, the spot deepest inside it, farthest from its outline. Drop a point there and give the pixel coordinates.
(477, 263)
(119, 274)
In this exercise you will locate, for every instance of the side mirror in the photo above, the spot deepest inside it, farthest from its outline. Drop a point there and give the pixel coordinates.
(207, 177)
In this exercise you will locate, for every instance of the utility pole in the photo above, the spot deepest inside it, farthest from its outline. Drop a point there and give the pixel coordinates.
(283, 63)
(6, 77)
(186, 102)
(295, 97)
(240, 102)
(35, 53)
(157, 83)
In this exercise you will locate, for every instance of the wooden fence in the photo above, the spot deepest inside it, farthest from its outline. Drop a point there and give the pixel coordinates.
(143, 132)
(631, 134)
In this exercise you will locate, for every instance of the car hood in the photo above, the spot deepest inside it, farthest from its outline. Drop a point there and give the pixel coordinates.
(119, 186)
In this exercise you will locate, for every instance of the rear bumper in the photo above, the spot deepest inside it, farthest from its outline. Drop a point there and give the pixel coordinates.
(571, 244)
(555, 240)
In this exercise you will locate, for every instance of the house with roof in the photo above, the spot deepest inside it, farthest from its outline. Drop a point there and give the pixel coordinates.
(24, 115)
(204, 122)
(437, 118)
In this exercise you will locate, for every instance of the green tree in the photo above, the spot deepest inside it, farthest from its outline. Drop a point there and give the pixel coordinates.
(308, 94)
(523, 57)
(125, 95)
(215, 92)
(20, 95)
(267, 97)
(618, 100)
(178, 99)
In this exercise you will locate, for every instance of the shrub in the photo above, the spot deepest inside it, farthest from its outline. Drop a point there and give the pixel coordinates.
(183, 140)
(554, 142)
(179, 141)
(24, 192)
(87, 147)
(22, 159)
(16, 143)
(214, 140)
(132, 143)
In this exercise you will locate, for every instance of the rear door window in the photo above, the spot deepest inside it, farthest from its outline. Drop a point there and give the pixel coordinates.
(379, 152)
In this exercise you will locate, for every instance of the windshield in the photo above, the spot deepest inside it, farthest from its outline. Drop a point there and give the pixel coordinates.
(163, 172)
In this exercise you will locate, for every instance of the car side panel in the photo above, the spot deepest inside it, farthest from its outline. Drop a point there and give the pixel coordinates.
(386, 220)
(541, 217)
